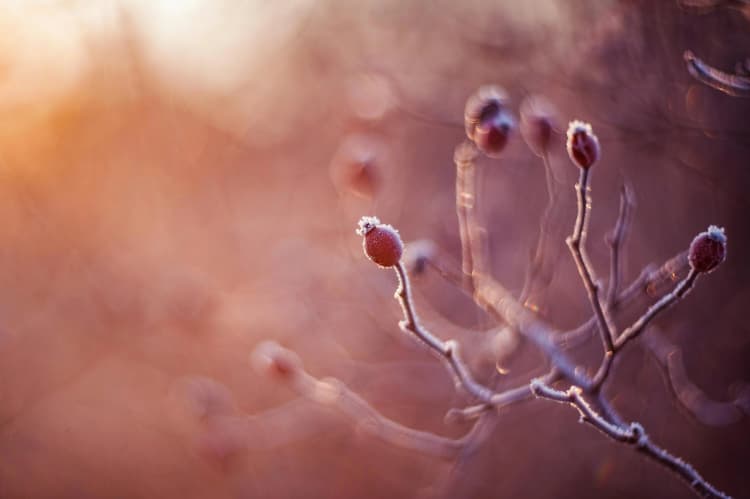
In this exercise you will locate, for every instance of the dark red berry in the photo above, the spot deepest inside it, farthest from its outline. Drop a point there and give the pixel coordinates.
(488, 120)
(381, 243)
(582, 144)
(708, 250)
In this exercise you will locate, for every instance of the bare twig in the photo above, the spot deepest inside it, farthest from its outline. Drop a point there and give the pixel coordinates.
(541, 252)
(492, 296)
(633, 434)
(576, 243)
(616, 241)
(640, 324)
(682, 288)
(472, 246)
(332, 392)
(730, 84)
(691, 397)
(499, 400)
(447, 350)
(450, 272)
(500, 303)
(647, 283)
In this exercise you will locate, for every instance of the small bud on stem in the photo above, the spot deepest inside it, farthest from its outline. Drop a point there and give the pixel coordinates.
(488, 120)
(708, 249)
(582, 145)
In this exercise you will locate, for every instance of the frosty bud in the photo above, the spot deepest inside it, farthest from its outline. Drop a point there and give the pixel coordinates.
(708, 249)
(583, 146)
(537, 123)
(488, 120)
(381, 243)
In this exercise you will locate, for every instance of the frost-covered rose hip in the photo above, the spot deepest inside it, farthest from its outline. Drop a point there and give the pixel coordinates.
(708, 249)
(488, 120)
(582, 144)
(381, 243)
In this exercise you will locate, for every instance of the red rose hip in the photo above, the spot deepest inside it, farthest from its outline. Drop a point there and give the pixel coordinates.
(582, 144)
(488, 120)
(708, 250)
(381, 243)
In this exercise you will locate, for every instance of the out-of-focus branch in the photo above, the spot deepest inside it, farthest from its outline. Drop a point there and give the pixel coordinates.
(488, 293)
(472, 239)
(691, 397)
(500, 303)
(709, 5)
(616, 240)
(283, 364)
(731, 84)
(541, 256)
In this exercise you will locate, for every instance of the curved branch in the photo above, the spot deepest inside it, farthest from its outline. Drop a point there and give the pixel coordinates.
(730, 84)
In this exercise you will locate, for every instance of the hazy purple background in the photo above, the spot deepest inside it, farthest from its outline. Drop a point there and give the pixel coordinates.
(169, 198)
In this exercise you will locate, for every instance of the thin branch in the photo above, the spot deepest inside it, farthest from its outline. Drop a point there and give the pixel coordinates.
(498, 401)
(691, 397)
(278, 362)
(472, 246)
(501, 304)
(682, 288)
(576, 243)
(331, 391)
(450, 273)
(633, 434)
(730, 84)
(640, 324)
(447, 350)
(538, 257)
(616, 241)
(608, 410)
(648, 282)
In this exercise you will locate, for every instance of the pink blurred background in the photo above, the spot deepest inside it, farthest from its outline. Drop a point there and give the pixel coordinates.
(170, 196)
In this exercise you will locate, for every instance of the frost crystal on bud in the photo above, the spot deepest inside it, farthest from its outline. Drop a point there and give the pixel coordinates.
(488, 120)
(708, 249)
(366, 224)
(382, 243)
(582, 144)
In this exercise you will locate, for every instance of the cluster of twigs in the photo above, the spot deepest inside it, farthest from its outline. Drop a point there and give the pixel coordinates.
(566, 382)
